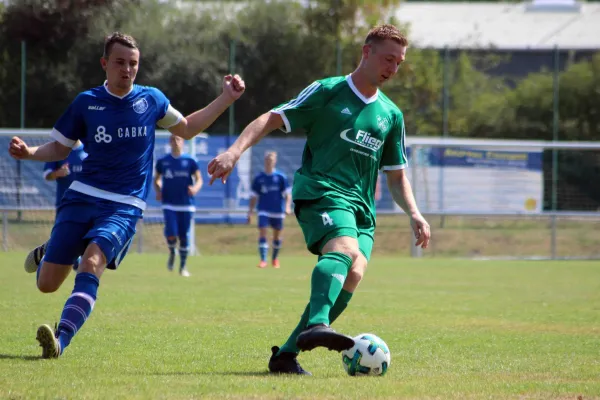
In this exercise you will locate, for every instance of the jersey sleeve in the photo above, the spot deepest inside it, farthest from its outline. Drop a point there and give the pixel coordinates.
(394, 149)
(193, 166)
(71, 125)
(255, 187)
(301, 111)
(159, 167)
(285, 185)
(167, 116)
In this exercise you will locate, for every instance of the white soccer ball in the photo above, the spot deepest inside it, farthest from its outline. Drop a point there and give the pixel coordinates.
(369, 356)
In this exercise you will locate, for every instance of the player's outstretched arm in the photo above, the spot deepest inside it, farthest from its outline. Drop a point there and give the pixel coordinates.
(197, 122)
(52, 151)
(402, 193)
(221, 166)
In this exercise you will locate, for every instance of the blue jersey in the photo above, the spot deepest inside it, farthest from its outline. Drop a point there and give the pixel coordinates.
(177, 175)
(74, 161)
(118, 136)
(270, 190)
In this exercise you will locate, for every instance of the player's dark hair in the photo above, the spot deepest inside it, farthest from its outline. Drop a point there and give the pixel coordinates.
(386, 32)
(120, 38)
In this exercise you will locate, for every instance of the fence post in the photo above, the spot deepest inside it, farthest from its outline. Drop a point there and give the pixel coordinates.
(22, 122)
(555, 128)
(4, 230)
(445, 129)
(228, 192)
(415, 251)
(140, 235)
(338, 57)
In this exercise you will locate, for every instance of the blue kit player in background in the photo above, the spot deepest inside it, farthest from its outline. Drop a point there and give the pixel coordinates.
(176, 181)
(64, 171)
(97, 216)
(271, 190)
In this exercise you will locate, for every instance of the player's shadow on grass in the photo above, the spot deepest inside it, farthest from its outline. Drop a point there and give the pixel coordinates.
(17, 357)
(232, 373)
(244, 373)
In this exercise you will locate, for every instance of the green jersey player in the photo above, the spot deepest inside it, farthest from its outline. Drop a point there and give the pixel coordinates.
(353, 130)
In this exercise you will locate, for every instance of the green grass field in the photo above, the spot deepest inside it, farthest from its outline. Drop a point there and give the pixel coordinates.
(466, 237)
(456, 330)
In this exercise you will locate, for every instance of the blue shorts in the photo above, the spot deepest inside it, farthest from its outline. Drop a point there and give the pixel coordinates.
(265, 221)
(178, 223)
(83, 219)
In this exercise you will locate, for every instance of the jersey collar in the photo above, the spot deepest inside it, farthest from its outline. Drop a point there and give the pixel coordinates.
(359, 94)
(114, 95)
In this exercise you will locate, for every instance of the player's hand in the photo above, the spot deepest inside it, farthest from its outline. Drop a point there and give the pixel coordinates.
(62, 171)
(18, 149)
(421, 230)
(221, 166)
(233, 86)
(288, 211)
(191, 191)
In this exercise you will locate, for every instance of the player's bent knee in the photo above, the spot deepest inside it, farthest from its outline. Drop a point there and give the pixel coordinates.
(92, 265)
(52, 276)
(343, 244)
(354, 254)
(47, 287)
(356, 273)
(93, 260)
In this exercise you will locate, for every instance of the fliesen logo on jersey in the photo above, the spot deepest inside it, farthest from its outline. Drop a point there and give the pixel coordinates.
(362, 139)
(140, 106)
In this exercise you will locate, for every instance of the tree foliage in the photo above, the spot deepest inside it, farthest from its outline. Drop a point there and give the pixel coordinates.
(281, 47)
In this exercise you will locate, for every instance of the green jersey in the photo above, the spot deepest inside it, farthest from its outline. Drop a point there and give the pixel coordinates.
(349, 138)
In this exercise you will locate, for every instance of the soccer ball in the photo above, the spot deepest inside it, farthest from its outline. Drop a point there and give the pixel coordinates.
(369, 356)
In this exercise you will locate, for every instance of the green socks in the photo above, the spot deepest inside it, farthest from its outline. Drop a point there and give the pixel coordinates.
(340, 305)
(327, 299)
(290, 345)
(327, 281)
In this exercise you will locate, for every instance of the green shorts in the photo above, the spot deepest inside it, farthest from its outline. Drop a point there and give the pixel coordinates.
(329, 217)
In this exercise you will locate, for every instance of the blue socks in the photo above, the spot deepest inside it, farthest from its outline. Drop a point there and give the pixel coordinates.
(77, 308)
(183, 253)
(171, 243)
(276, 247)
(263, 248)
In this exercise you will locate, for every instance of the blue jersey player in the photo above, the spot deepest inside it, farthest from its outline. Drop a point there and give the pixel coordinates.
(97, 216)
(64, 171)
(177, 179)
(272, 198)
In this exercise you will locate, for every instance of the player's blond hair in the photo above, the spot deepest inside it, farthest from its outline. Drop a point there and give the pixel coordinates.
(120, 38)
(386, 32)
